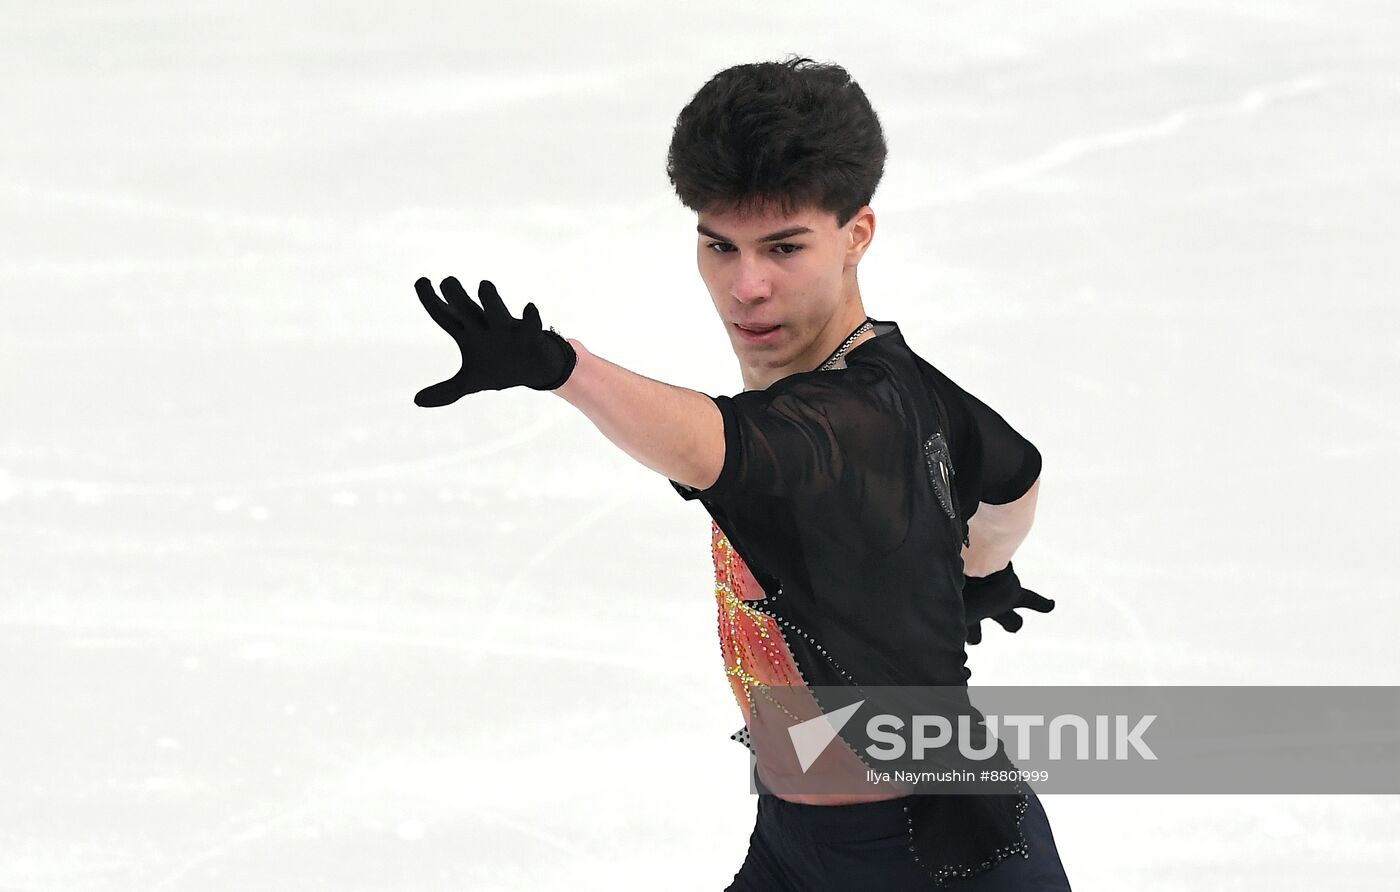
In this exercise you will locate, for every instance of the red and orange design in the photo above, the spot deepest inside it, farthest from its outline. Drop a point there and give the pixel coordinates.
(755, 654)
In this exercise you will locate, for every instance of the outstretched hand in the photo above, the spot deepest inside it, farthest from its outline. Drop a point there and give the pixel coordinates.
(997, 597)
(498, 350)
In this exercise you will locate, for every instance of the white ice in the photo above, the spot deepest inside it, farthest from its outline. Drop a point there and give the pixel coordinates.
(265, 624)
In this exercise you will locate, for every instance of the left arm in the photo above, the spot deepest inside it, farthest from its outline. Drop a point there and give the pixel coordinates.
(996, 531)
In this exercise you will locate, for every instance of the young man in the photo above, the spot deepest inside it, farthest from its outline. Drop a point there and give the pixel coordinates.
(851, 486)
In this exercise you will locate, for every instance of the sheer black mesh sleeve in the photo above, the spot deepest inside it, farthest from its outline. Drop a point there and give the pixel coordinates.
(814, 433)
(1009, 463)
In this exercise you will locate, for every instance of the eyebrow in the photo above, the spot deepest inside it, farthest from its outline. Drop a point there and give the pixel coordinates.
(771, 237)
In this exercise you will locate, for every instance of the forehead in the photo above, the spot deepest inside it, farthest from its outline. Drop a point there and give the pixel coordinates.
(757, 224)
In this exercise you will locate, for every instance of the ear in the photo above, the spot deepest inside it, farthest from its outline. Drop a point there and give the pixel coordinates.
(861, 232)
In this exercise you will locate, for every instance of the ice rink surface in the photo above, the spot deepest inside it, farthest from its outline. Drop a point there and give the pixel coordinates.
(267, 625)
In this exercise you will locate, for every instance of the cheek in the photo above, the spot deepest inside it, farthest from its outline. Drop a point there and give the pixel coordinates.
(707, 268)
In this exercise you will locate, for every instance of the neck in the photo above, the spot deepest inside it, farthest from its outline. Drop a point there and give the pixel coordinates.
(833, 334)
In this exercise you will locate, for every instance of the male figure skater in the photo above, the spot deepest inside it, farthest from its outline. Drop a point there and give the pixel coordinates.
(864, 508)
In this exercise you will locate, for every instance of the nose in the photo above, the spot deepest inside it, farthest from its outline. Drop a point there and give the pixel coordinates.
(750, 281)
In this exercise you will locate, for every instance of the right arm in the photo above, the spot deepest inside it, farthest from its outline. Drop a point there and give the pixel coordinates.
(673, 430)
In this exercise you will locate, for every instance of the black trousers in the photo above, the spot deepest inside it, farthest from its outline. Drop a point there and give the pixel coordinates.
(843, 848)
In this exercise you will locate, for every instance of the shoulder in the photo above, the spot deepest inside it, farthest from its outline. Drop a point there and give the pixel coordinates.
(953, 400)
(862, 394)
(936, 377)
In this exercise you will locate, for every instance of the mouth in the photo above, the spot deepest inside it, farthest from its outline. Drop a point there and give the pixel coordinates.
(758, 334)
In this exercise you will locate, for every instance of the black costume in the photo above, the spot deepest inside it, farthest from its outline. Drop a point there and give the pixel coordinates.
(847, 493)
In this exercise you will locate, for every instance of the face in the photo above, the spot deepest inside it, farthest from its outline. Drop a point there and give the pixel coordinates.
(797, 273)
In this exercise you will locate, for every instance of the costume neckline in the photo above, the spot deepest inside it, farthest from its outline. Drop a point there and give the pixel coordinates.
(884, 328)
(881, 327)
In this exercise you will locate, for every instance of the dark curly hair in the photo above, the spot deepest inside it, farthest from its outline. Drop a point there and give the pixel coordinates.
(778, 136)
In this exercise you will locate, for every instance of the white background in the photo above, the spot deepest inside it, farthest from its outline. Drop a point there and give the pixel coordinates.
(265, 624)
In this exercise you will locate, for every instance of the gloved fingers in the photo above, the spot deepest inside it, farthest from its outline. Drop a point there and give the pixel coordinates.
(1010, 620)
(436, 308)
(974, 633)
(988, 595)
(1035, 602)
(461, 303)
(531, 317)
(498, 318)
(443, 393)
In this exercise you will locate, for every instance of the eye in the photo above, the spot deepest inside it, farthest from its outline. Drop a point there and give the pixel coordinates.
(726, 245)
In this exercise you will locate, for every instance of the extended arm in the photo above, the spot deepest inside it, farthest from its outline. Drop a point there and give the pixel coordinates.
(678, 432)
(672, 430)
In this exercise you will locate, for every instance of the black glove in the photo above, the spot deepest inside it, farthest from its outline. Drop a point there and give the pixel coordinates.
(498, 350)
(997, 596)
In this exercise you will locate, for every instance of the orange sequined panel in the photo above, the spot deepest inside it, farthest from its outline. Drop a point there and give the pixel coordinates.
(755, 654)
